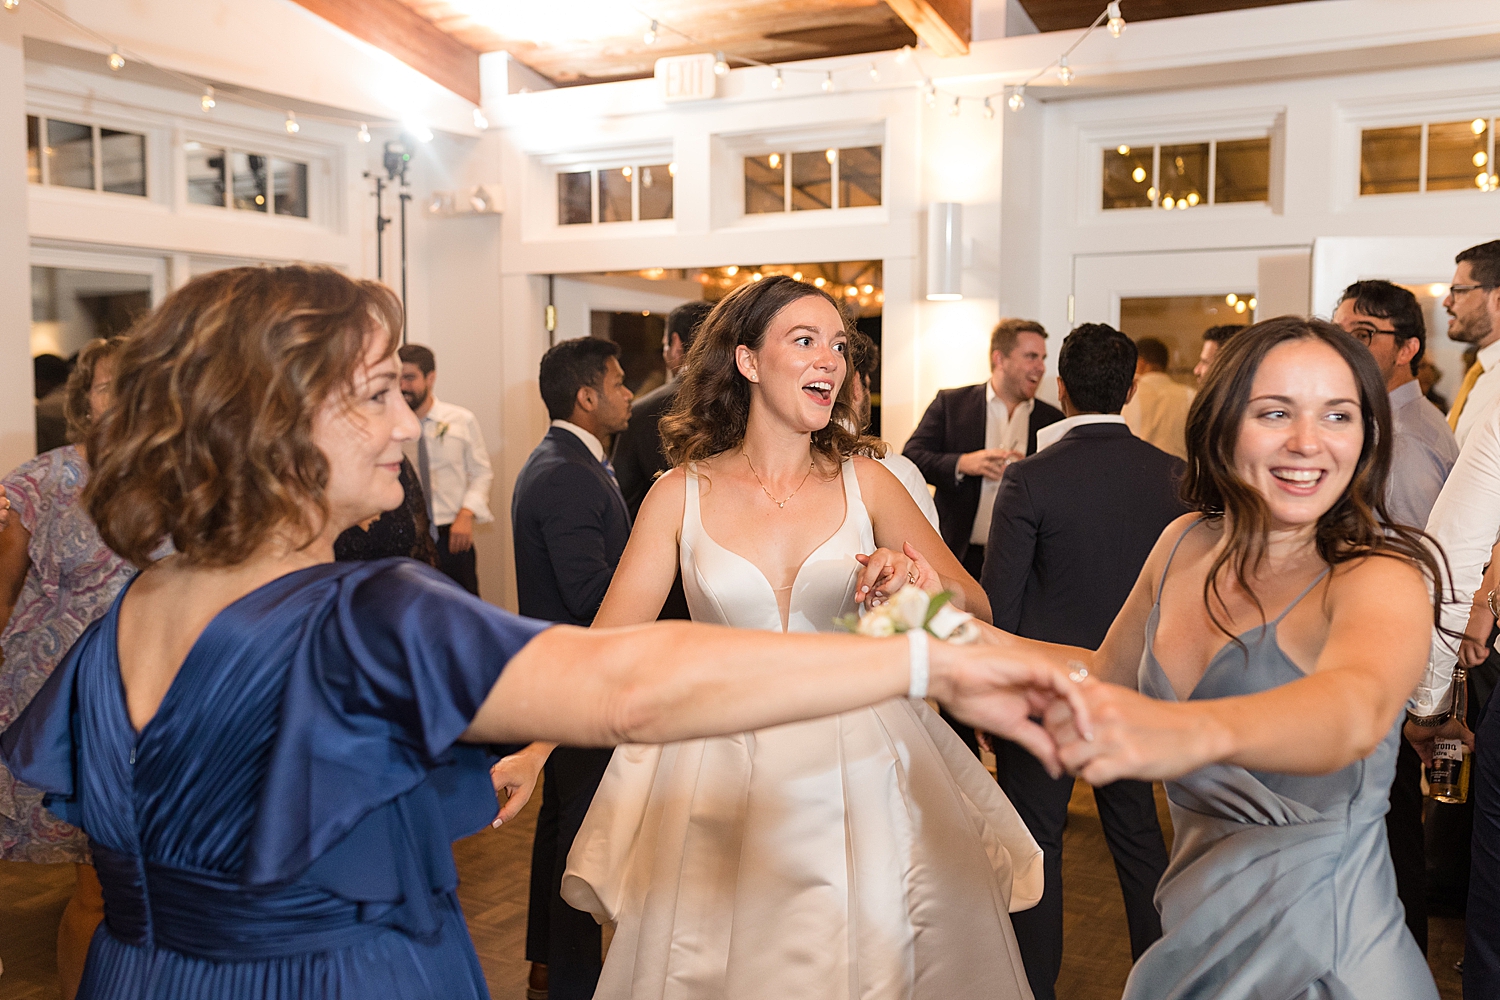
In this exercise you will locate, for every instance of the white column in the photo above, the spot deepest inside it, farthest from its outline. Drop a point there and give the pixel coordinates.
(17, 406)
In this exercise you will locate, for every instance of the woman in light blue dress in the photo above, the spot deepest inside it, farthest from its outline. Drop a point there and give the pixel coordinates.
(1260, 667)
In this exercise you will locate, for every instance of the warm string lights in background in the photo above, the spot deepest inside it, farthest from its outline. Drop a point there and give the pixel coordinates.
(857, 284)
(117, 58)
(1110, 19)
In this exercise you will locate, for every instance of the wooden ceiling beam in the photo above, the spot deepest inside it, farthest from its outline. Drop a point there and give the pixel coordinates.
(945, 25)
(395, 28)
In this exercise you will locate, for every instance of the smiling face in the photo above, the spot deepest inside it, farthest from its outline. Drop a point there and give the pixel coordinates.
(1302, 432)
(1018, 374)
(1470, 318)
(801, 365)
(361, 437)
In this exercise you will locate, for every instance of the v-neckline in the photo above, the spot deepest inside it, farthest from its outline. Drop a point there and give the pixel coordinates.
(187, 660)
(787, 621)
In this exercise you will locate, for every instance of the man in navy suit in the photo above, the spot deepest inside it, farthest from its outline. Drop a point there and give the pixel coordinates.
(1071, 528)
(570, 525)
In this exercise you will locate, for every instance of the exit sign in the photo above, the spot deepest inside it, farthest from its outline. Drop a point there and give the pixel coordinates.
(686, 78)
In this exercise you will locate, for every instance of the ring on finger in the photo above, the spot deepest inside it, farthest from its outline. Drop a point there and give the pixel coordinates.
(1079, 674)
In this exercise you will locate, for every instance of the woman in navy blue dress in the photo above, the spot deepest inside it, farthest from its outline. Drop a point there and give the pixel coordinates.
(271, 752)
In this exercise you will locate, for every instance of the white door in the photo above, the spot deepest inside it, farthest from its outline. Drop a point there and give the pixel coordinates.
(1102, 281)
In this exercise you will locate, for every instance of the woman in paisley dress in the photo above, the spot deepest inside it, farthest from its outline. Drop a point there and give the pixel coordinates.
(56, 576)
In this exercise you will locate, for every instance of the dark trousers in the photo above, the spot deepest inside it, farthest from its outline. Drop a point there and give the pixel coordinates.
(1127, 811)
(461, 567)
(1403, 829)
(567, 940)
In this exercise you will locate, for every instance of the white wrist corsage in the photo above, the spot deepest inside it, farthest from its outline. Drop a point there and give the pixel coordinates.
(912, 608)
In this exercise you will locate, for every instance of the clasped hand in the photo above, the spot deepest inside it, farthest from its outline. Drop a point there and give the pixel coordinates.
(1127, 735)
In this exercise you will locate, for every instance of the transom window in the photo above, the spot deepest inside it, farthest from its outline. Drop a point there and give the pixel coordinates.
(1187, 175)
(1431, 156)
(249, 182)
(84, 156)
(633, 193)
(813, 180)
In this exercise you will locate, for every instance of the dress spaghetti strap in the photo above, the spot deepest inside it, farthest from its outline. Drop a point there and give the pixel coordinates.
(1162, 583)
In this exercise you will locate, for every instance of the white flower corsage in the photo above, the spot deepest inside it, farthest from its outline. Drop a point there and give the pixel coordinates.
(913, 608)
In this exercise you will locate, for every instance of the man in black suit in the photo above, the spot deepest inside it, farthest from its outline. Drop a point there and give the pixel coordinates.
(969, 435)
(570, 526)
(1071, 528)
(638, 457)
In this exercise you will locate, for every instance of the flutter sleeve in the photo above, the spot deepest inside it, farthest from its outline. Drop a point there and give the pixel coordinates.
(367, 784)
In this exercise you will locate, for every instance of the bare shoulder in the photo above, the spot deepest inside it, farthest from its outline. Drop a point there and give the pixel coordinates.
(664, 501)
(876, 483)
(1391, 579)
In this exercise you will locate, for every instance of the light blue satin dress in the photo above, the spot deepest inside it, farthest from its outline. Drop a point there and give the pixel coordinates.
(1280, 885)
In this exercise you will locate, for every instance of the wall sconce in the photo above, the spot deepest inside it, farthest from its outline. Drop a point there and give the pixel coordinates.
(945, 249)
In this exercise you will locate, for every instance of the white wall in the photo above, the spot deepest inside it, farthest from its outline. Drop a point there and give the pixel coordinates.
(17, 420)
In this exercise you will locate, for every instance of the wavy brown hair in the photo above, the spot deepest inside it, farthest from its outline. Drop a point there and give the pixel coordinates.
(1355, 527)
(713, 404)
(209, 441)
(76, 409)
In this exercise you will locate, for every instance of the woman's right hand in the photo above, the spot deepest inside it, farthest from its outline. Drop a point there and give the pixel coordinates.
(1132, 736)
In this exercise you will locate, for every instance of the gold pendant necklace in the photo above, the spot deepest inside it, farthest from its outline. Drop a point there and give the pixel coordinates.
(778, 503)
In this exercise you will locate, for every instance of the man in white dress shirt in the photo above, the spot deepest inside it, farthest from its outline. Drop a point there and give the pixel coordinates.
(1158, 411)
(452, 464)
(1473, 305)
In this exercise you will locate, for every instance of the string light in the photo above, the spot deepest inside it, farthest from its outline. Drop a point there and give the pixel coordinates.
(902, 58)
(1064, 72)
(931, 93)
(207, 101)
(1017, 99)
(989, 112)
(1116, 22)
(721, 65)
(291, 123)
(364, 132)
(116, 61)
(480, 121)
(953, 111)
(650, 36)
(777, 82)
(874, 73)
(828, 83)
(12, 4)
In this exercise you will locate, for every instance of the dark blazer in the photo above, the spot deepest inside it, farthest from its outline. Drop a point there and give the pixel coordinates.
(1071, 529)
(953, 426)
(637, 455)
(570, 527)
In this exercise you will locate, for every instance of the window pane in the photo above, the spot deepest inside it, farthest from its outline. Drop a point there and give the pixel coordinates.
(812, 180)
(1457, 155)
(1390, 159)
(656, 191)
(614, 194)
(33, 149)
(1184, 174)
(1242, 171)
(765, 184)
(859, 176)
(70, 155)
(205, 175)
(1127, 177)
(249, 176)
(575, 200)
(289, 180)
(123, 160)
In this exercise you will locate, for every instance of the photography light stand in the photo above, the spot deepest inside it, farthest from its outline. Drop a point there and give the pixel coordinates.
(397, 160)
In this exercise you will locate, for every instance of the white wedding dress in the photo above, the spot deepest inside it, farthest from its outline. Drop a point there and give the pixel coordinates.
(866, 856)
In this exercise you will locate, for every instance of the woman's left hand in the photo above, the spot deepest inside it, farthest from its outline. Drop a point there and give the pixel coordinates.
(516, 777)
(885, 572)
(1134, 736)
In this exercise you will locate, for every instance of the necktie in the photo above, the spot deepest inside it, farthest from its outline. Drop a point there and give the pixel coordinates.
(424, 475)
(1470, 377)
(609, 467)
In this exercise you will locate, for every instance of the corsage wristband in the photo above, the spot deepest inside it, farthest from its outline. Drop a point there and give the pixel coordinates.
(916, 644)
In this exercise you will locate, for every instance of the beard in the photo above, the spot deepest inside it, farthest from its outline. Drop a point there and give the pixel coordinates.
(1472, 330)
(414, 399)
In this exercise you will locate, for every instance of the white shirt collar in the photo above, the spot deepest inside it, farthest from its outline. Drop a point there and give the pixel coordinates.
(589, 441)
(1024, 406)
(1053, 433)
(1489, 356)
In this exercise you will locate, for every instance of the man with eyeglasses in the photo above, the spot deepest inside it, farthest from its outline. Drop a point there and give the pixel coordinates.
(1473, 305)
(1387, 319)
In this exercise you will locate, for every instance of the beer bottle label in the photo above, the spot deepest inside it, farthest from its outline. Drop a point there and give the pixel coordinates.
(1448, 750)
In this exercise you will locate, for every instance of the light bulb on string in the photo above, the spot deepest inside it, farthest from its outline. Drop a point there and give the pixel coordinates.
(1116, 23)
(828, 82)
(721, 65)
(12, 4)
(953, 109)
(650, 36)
(874, 73)
(931, 93)
(1064, 72)
(902, 58)
(207, 102)
(777, 82)
(364, 132)
(116, 61)
(480, 121)
(989, 110)
(1017, 99)
(291, 123)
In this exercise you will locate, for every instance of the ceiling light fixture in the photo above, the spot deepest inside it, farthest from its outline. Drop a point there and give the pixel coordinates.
(12, 4)
(828, 82)
(902, 58)
(953, 111)
(989, 111)
(776, 81)
(291, 123)
(931, 93)
(1017, 99)
(364, 132)
(116, 61)
(874, 73)
(1064, 73)
(1116, 23)
(207, 102)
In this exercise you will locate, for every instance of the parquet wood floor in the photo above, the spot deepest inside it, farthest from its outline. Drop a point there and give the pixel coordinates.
(494, 866)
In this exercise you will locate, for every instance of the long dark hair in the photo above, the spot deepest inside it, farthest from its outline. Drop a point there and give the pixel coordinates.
(713, 404)
(1356, 526)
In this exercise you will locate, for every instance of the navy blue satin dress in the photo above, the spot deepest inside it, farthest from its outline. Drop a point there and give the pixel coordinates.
(282, 827)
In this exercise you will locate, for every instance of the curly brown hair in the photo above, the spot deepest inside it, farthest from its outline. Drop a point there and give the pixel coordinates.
(209, 441)
(712, 406)
(76, 408)
(1356, 526)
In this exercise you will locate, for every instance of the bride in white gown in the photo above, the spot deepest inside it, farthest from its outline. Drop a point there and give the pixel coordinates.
(866, 856)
